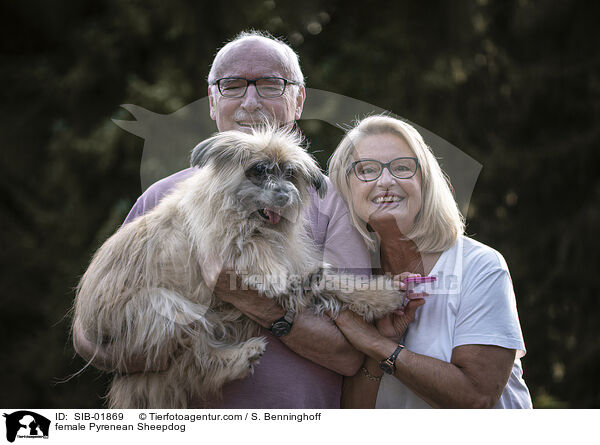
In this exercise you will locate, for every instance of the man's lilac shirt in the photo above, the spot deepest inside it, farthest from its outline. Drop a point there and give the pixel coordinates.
(284, 379)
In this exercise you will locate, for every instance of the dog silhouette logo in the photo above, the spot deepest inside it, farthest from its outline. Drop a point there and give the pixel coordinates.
(26, 424)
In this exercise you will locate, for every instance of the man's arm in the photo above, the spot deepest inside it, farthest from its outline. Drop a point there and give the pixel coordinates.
(97, 357)
(100, 356)
(313, 337)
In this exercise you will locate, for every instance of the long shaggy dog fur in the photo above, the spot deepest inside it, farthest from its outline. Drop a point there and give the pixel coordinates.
(144, 292)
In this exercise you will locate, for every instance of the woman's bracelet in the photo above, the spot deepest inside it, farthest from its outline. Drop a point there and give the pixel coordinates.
(368, 375)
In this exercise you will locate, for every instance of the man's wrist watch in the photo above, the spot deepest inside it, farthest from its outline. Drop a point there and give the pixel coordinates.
(388, 365)
(283, 326)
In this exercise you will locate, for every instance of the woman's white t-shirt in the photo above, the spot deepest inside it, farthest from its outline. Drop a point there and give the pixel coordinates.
(471, 302)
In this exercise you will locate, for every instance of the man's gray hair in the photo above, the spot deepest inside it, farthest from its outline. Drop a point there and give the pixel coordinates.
(289, 59)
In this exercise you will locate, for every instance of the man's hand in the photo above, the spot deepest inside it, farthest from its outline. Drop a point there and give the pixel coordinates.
(263, 310)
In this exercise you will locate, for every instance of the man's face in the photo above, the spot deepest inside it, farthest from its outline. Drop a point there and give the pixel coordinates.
(253, 59)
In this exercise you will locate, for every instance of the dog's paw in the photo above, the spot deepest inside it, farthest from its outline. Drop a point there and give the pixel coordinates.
(248, 356)
(255, 348)
(379, 305)
(315, 280)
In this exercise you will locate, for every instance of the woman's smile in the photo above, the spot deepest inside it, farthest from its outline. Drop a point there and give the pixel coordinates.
(387, 198)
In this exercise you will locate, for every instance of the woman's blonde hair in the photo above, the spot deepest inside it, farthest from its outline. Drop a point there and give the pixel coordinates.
(439, 222)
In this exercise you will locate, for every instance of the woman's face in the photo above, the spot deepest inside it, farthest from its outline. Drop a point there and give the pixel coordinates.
(387, 198)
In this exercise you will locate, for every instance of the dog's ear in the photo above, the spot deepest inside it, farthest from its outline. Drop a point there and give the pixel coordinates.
(201, 152)
(317, 180)
(223, 149)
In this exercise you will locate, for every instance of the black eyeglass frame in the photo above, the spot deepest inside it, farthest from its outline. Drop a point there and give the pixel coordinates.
(387, 165)
(253, 82)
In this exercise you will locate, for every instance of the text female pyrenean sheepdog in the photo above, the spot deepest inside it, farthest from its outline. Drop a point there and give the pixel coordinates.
(144, 292)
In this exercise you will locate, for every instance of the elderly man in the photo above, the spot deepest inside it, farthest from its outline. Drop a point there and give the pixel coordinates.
(252, 78)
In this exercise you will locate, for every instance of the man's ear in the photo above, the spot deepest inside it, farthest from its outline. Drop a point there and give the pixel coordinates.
(300, 98)
(211, 104)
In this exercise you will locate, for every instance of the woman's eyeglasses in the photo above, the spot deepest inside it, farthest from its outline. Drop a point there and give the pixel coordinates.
(371, 169)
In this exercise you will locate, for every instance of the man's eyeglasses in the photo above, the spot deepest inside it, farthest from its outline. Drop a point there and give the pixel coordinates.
(267, 87)
(370, 169)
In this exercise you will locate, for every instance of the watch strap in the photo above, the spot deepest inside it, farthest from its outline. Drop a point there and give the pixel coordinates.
(289, 316)
(283, 326)
(389, 364)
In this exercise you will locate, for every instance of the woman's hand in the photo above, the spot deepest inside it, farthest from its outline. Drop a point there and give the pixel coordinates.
(363, 335)
(394, 325)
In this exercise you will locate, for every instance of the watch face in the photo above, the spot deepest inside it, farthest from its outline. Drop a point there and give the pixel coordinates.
(280, 328)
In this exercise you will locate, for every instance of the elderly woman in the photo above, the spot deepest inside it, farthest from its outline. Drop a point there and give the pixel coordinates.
(462, 347)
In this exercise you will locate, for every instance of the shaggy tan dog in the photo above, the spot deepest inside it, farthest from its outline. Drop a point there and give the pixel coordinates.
(144, 292)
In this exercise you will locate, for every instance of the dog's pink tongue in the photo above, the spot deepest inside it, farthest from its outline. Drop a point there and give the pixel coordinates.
(273, 216)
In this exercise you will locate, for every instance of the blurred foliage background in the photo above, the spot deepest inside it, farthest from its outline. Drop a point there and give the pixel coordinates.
(514, 84)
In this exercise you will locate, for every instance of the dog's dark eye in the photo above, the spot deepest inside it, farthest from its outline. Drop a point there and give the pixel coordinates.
(258, 173)
(259, 169)
(289, 172)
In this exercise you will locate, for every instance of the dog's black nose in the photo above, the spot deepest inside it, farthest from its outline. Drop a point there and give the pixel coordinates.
(280, 198)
